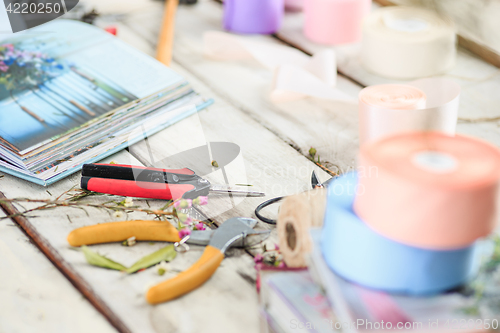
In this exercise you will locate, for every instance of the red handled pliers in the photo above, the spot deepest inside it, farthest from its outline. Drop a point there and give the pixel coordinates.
(153, 183)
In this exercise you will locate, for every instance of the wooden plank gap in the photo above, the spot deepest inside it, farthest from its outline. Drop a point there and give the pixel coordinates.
(298, 47)
(51, 253)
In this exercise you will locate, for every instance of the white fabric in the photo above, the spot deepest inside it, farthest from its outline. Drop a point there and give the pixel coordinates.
(296, 75)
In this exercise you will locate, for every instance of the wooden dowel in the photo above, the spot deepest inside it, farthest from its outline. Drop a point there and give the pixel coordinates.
(166, 38)
(31, 113)
(83, 108)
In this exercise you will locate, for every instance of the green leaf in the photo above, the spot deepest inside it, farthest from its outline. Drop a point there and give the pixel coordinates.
(168, 253)
(96, 259)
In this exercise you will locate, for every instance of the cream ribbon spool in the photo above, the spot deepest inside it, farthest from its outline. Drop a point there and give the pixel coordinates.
(421, 105)
(298, 213)
(407, 42)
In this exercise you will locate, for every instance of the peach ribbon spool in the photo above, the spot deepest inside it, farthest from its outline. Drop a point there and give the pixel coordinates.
(334, 21)
(421, 105)
(428, 189)
(407, 42)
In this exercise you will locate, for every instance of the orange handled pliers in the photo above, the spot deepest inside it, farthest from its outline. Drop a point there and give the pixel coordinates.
(235, 232)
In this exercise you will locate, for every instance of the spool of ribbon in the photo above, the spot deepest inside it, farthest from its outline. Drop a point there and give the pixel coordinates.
(334, 21)
(429, 190)
(294, 5)
(359, 254)
(253, 17)
(296, 75)
(299, 213)
(421, 105)
(407, 42)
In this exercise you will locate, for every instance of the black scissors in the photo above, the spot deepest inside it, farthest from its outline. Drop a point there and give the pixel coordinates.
(315, 183)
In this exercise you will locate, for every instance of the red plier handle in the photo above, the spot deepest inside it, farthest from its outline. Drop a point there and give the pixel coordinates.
(142, 182)
(129, 188)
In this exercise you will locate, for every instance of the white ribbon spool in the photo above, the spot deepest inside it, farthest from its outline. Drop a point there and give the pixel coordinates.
(407, 42)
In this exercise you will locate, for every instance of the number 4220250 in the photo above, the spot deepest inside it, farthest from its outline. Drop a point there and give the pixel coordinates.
(480, 324)
(34, 8)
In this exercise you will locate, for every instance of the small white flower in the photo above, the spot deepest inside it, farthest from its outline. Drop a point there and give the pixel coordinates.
(269, 245)
(118, 214)
(129, 202)
(131, 241)
(162, 268)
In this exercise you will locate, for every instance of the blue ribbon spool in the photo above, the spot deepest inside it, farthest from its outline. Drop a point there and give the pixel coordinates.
(359, 254)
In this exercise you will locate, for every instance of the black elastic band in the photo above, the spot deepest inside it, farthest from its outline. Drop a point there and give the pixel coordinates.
(264, 205)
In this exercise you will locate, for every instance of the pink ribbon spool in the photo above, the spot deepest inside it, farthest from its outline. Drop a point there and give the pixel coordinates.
(294, 5)
(429, 189)
(334, 21)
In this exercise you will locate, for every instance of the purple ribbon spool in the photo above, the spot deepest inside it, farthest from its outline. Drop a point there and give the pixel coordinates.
(253, 16)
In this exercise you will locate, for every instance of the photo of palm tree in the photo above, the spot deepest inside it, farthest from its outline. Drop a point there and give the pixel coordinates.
(43, 96)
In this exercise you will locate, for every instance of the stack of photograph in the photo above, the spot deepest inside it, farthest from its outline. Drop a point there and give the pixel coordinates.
(71, 93)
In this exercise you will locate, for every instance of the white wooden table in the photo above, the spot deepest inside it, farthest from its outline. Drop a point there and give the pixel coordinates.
(274, 141)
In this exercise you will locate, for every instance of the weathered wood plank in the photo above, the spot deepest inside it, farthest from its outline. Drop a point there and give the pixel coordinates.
(124, 295)
(477, 78)
(35, 294)
(266, 162)
(472, 34)
(206, 127)
(479, 81)
(330, 127)
(53, 255)
(228, 301)
(477, 20)
(49, 230)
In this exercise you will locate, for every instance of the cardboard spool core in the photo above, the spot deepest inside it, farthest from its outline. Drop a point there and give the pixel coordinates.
(298, 213)
(291, 236)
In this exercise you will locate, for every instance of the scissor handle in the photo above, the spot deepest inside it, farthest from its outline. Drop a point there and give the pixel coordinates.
(138, 189)
(137, 173)
(188, 280)
(159, 231)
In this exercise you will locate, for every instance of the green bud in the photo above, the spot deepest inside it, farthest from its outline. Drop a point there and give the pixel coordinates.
(312, 152)
(215, 164)
(182, 217)
(161, 271)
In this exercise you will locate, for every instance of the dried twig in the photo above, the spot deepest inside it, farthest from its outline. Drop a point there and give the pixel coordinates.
(72, 201)
(312, 155)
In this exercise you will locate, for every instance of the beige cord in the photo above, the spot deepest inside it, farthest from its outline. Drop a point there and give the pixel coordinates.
(298, 214)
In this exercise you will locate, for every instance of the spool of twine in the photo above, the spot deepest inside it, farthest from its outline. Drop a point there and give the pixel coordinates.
(298, 214)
